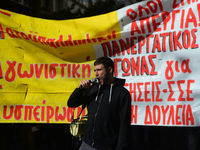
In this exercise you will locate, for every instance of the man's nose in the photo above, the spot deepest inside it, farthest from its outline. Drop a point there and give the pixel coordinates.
(96, 73)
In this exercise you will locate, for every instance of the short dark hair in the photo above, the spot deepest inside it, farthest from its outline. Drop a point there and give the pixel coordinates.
(106, 61)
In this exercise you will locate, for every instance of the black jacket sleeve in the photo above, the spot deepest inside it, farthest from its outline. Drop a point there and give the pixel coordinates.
(82, 96)
(125, 122)
(77, 98)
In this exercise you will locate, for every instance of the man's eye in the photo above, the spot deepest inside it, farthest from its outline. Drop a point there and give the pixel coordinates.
(97, 70)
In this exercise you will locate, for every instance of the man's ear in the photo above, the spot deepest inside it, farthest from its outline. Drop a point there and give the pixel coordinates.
(110, 69)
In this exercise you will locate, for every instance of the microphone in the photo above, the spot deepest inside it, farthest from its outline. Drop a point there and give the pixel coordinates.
(94, 80)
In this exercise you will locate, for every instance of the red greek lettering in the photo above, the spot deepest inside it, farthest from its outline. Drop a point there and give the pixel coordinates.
(52, 70)
(174, 12)
(148, 24)
(88, 68)
(11, 110)
(1, 71)
(171, 91)
(164, 111)
(33, 37)
(49, 113)
(43, 111)
(132, 90)
(25, 74)
(63, 70)
(124, 46)
(24, 35)
(116, 66)
(2, 34)
(140, 9)
(183, 115)
(69, 71)
(46, 71)
(152, 91)
(59, 116)
(171, 41)
(28, 112)
(176, 67)
(10, 33)
(135, 28)
(144, 66)
(178, 122)
(134, 109)
(156, 110)
(156, 24)
(171, 116)
(50, 42)
(75, 71)
(42, 40)
(105, 46)
(169, 70)
(125, 63)
(185, 66)
(88, 38)
(142, 42)
(38, 71)
(60, 40)
(36, 113)
(191, 18)
(166, 18)
(189, 115)
(160, 5)
(135, 66)
(100, 39)
(153, 72)
(186, 39)
(69, 41)
(146, 92)
(148, 41)
(18, 112)
(150, 3)
(158, 91)
(176, 42)
(181, 98)
(140, 92)
(18, 33)
(131, 14)
(114, 34)
(189, 91)
(148, 116)
(182, 18)
(193, 45)
(156, 44)
(10, 70)
(69, 114)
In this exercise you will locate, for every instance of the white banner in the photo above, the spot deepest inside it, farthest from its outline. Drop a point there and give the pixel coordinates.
(158, 55)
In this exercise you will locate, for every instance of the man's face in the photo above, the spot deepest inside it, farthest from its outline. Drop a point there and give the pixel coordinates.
(101, 73)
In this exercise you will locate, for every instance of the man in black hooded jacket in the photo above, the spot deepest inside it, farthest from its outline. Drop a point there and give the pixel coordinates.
(109, 109)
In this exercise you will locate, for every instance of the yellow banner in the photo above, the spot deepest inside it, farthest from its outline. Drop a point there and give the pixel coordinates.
(154, 46)
(42, 62)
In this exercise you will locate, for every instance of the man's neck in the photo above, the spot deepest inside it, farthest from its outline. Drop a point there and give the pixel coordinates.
(111, 80)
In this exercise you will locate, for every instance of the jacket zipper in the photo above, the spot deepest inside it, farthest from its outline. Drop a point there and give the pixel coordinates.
(95, 119)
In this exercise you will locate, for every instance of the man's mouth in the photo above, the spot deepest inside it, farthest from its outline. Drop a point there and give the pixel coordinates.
(99, 80)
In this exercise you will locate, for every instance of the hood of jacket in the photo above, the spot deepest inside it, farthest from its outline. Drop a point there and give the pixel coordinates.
(117, 82)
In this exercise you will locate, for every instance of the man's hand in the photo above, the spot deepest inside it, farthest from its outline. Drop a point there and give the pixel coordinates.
(84, 84)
